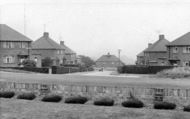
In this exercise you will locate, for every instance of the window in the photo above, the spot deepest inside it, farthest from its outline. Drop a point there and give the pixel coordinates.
(8, 59)
(8, 45)
(175, 50)
(186, 49)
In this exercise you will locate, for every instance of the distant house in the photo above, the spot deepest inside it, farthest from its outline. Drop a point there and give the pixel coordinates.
(179, 51)
(70, 56)
(14, 47)
(156, 54)
(108, 61)
(46, 47)
(140, 58)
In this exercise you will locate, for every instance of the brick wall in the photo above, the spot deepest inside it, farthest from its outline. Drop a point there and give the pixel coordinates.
(180, 96)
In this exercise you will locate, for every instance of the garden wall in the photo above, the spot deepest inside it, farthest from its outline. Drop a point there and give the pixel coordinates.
(142, 69)
(180, 96)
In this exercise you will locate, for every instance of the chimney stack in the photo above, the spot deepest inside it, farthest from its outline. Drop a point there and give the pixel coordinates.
(61, 42)
(161, 37)
(46, 34)
(149, 44)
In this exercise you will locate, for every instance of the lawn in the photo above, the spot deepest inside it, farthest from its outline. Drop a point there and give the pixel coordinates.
(22, 109)
(93, 80)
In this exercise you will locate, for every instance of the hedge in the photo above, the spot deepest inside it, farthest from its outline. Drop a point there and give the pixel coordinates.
(186, 108)
(7, 94)
(133, 103)
(51, 98)
(164, 105)
(76, 100)
(105, 101)
(142, 69)
(32, 69)
(26, 96)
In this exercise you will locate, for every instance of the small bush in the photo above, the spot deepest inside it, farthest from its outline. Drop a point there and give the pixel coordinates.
(27, 96)
(104, 102)
(186, 108)
(7, 94)
(164, 105)
(177, 72)
(51, 98)
(76, 100)
(133, 103)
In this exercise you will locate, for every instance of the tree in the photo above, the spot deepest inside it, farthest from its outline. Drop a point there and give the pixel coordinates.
(47, 62)
(28, 63)
(87, 61)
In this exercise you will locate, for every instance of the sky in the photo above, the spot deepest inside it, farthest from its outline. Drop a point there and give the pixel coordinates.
(96, 27)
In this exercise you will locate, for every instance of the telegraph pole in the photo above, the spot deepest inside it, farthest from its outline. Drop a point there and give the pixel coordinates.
(119, 52)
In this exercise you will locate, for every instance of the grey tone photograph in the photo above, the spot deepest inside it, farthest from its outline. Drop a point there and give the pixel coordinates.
(94, 59)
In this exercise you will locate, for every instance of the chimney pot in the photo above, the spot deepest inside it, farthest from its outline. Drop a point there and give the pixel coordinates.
(46, 34)
(149, 44)
(161, 37)
(61, 42)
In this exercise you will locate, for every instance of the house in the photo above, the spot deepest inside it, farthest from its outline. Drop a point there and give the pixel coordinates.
(156, 53)
(108, 62)
(179, 51)
(14, 47)
(140, 58)
(46, 47)
(70, 56)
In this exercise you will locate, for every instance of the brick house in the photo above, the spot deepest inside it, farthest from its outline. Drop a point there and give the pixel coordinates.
(140, 58)
(46, 47)
(70, 56)
(156, 53)
(14, 47)
(108, 62)
(179, 51)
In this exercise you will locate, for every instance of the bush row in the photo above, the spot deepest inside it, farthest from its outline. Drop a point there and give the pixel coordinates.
(104, 101)
(138, 69)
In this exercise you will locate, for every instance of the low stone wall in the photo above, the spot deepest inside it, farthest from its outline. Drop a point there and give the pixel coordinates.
(118, 93)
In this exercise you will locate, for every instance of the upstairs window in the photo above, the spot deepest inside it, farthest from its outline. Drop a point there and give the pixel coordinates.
(8, 45)
(175, 50)
(186, 50)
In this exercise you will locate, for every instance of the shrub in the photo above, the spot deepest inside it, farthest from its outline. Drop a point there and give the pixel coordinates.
(51, 98)
(29, 63)
(186, 108)
(27, 96)
(47, 62)
(105, 101)
(133, 103)
(6, 94)
(164, 105)
(76, 100)
(178, 72)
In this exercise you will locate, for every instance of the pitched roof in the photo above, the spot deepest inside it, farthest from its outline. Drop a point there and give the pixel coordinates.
(107, 57)
(159, 45)
(182, 40)
(141, 54)
(45, 42)
(9, 34)
(67, 49)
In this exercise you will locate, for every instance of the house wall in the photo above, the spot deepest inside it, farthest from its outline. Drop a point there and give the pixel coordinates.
(71, 58)
(140, 60)
(178, 95)
(15, 51)
(52, 53)
(160, 58)
(183, 57)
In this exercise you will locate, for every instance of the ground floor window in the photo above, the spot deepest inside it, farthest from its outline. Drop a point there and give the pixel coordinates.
(8, 59)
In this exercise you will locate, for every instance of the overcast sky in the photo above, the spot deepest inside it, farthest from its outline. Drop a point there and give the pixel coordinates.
(95, 27)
